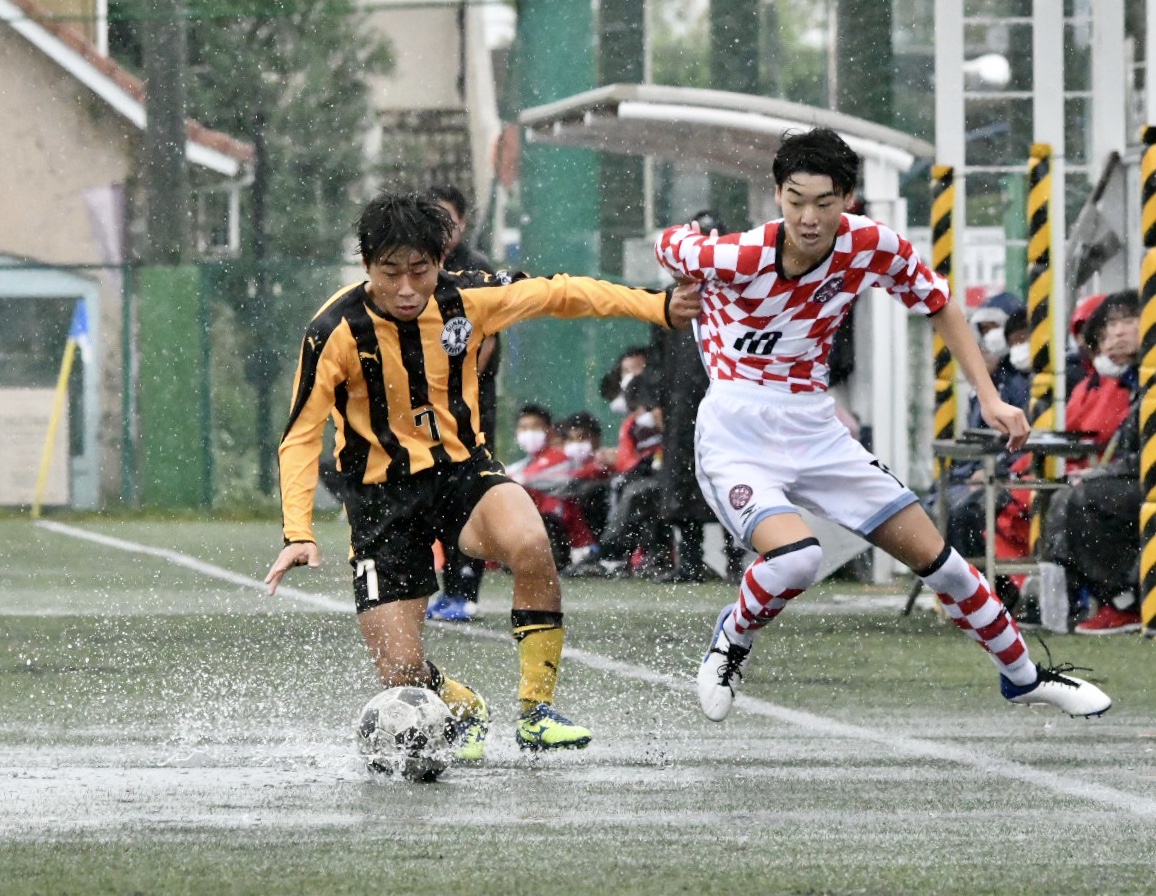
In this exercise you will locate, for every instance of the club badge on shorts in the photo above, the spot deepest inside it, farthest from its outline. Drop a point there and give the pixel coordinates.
(739, 496)
(456, 335)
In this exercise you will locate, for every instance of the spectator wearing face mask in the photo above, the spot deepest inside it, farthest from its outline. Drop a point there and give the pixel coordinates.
(987, 324)
(1099, 406)
(634, 529)
(629, 365)
(1000, 327)
(589, 482)
(1100, 402)
(1015, 370)
(1078, 363)
(545, 472)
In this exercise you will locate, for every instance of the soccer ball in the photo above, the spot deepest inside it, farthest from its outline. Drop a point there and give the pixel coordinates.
(406, 731)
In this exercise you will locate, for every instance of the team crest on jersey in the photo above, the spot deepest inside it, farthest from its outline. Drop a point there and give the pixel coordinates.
(456, 335)
(828, 291)
(739, 496)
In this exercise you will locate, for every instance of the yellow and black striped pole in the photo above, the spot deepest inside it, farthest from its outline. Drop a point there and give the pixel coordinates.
(1148, 383)
(1040, 286)
(942, 250)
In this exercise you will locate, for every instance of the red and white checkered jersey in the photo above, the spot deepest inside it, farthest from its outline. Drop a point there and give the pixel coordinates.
(761, 326)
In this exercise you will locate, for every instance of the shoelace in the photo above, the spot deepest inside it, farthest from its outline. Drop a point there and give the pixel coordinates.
(733, 665)
(1056, 672)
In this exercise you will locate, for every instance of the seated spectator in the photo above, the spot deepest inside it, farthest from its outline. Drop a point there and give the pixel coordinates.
(1082, 524)
(989, 323)
(635, 540)
(629, 365)
(1015, 370)
(589, 475)
(965, 497)
(1100, 402)
(543, 472)
(1078, 363)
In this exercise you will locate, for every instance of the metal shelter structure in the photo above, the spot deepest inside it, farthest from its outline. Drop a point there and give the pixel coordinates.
(1118, 157)
(24, 282)
(739, 134)
(1107, 130)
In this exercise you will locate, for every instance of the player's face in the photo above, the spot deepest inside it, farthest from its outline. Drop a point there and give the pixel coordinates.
(812, 209)
(401, 282)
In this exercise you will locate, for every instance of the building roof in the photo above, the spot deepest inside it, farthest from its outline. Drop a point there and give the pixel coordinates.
(123, 91)
(733, 133)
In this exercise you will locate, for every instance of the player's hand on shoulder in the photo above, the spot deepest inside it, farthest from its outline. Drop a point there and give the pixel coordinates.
(685, 304)
(299, 553)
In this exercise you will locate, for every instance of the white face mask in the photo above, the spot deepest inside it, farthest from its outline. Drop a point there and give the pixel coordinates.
(619, 406)
(646, 420)
(995, 343)
(1105, 366)
(579, 451)
(531, 441)
(1020, 357)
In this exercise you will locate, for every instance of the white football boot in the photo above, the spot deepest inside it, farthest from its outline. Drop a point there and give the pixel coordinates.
(721, 671)
(1055, 687)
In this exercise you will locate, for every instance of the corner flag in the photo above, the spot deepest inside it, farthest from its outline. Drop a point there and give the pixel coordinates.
(78, 331)
(77, 338)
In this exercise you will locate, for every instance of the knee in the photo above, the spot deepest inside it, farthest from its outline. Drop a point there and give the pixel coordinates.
(530, 553)
(798, 563)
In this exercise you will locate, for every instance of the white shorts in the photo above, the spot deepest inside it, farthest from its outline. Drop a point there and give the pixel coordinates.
(760, 452)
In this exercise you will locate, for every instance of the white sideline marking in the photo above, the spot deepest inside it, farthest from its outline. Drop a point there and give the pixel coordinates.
(810, 722)
(208, 569)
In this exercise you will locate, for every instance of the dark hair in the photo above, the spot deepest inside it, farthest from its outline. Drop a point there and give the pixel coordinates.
(584, 422)
(818, 151)
(392, 221)
(536, 410)
(451, 194)
(1117, 306)
(1016, 321)
(641, 393)
(634, 351)
(709, 220)
(610, 386)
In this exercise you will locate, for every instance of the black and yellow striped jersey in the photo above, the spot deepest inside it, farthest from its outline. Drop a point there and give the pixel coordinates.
(404, 394)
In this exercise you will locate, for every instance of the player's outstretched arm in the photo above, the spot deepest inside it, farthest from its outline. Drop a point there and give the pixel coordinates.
(950, 323)
(299, 553)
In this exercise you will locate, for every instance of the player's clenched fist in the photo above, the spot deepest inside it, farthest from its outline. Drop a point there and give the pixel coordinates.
(685, 305)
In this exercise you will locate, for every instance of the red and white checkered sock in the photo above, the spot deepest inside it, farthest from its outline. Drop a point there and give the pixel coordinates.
(767, 585)
(969, 601)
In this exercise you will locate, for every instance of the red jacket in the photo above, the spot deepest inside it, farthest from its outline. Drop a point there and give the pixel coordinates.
(635, 444)
(1098, 405)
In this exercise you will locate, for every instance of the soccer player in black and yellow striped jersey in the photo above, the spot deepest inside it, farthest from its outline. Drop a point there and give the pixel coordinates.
(394, 361)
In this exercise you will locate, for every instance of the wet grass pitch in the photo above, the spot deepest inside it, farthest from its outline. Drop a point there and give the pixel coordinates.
(165, 728)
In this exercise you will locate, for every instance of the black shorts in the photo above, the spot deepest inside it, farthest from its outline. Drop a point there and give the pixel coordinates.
(394, 526)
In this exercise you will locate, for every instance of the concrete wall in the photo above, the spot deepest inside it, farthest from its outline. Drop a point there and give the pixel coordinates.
(427, 57)
(61, 151)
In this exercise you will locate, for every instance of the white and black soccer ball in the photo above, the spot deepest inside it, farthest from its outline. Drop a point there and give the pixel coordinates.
(406, 731)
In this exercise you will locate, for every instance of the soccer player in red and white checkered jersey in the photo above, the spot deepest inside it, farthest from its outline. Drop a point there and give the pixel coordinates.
(767, 438)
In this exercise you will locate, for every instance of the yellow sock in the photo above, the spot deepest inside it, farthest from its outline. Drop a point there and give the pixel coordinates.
(462, 701)
(540, 656)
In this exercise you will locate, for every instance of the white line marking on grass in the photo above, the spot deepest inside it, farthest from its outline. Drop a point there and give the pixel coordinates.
(208, 569)
(810, 722)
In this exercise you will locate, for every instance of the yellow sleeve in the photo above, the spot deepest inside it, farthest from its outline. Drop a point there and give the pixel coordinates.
(568, 297)
(319, 372)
